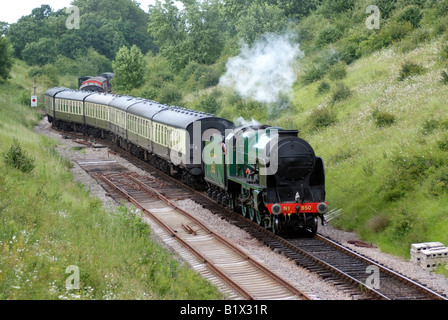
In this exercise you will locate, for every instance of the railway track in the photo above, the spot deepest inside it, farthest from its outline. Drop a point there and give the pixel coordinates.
(249, 278)
(349, 271)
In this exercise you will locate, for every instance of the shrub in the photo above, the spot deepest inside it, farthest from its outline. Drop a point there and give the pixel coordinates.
(342, 92)
(406, 173)
(170, 95)
(313, 74)
(377, 224)
(444, 77)
(430, 126)
(443, 144)
(411, 14)
(392, 32)
(328, 35)
(338, 71)
(386, 7)
(383, 118)
(439, 186)
(409, 69)
(322, 117)
(48, 70)
(210, 104)
(18, 159)
(324, 87)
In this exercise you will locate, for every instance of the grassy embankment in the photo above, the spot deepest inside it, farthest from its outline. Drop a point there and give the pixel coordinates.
(48, 223)
(384, 138)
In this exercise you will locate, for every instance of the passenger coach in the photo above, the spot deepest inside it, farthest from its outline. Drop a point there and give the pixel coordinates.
(171, 138)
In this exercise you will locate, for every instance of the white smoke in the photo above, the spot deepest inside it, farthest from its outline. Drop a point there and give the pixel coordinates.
(243, 122)
(264, 72)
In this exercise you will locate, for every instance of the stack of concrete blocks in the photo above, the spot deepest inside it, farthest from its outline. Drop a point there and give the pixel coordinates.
(429, 255)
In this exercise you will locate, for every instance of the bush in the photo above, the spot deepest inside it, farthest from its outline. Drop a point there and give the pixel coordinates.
(409, 69)
(324, 87)
(18, 159)
(405, 173)
(322, 117)
(48, 70)
(338, 71)
(392, 32)
(443, 144)
(6, 60)
(378, 224)
(383, 118)
(342, 92)
(313, 74)
(439, 186)
(444, 77)
(129, 68)
(328, 35)
(210, 104)
(430, 126)
(170, 95)
(411, 14)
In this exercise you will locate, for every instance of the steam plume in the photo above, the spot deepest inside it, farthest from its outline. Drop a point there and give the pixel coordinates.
(265, 71)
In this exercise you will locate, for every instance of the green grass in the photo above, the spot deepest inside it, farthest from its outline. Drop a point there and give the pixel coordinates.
(48, 223)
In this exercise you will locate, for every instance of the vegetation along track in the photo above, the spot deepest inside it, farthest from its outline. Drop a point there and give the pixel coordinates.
(249, 278)
(351, 272)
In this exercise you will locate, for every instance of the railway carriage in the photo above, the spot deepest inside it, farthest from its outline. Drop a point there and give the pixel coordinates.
(97, 113)
(49, 100)
(181, 134)
(140, 127)
(68, 109)
(171, 138)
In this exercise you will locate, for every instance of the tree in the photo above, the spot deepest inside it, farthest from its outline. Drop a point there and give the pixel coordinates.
(260, 19)
(4, 27)
(40, 52)
(6, 60)
(196, 33)
(129, 68)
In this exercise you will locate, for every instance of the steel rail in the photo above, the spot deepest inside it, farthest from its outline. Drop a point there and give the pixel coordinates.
(241, 253)
(172, 233)
(434, 295)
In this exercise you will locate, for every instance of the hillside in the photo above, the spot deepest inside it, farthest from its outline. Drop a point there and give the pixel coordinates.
(50, 224)
(384, 146)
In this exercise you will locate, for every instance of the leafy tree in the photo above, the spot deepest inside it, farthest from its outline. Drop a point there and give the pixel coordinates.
(106, 25)
(40, 52)
(42, 13)
(92, 63)
(4, 26)
(70, 45)
(24, 31)
(260, 19)
(129, 68)
(6, 60)
(109, 24)
(193, 34)
(291, 8)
